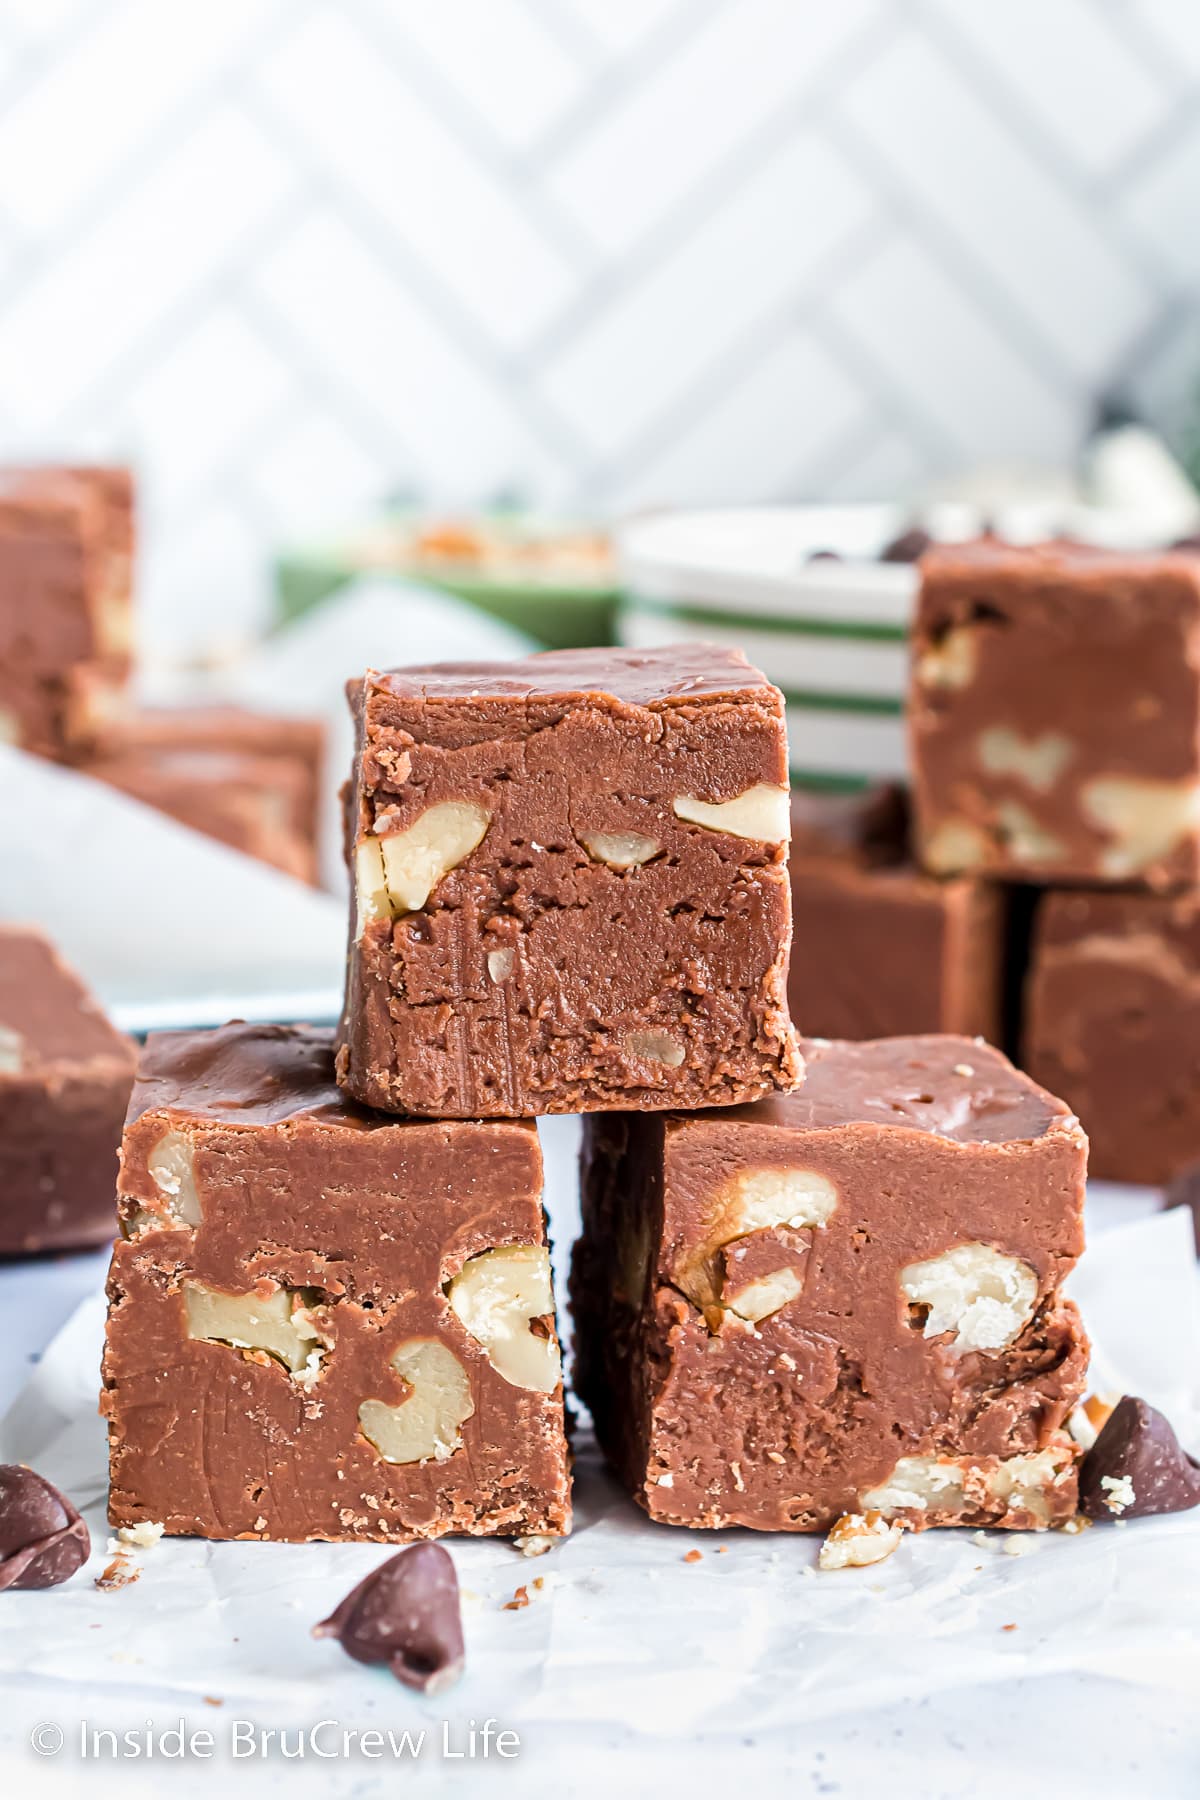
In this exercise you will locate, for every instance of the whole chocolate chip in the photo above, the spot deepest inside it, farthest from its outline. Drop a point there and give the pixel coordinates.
(909, 547)
(1137, 1466)
(43, 1540)
(406, 1614)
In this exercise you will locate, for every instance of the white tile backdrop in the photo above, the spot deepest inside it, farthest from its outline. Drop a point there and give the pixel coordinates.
(291, 254)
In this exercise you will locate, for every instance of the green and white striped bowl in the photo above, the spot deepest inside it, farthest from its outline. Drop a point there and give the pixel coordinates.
(831, 633)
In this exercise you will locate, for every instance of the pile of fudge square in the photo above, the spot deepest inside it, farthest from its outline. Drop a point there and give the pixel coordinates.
(819, 1282)
(70, 664)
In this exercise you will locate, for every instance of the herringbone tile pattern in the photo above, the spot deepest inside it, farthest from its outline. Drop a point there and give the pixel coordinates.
(294, 254)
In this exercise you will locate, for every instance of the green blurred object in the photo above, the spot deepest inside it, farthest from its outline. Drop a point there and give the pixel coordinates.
(562, 614)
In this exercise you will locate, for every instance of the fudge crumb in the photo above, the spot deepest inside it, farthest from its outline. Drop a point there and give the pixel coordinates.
(119, 1573)
(140, 1537)
(1074, 1526)
(1118, 1492)
(693, 1556)
(519, 1599)
(212, 1700)
(534, 1545)
(858, 1539)
(1008, 1628)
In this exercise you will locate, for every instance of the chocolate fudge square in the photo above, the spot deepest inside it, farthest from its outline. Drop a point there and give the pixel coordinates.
(65, 1076)
(66, 619)
(1055, 715)
(842, 1300)
(878, 948)
(324, 1322)
(1112, 1022)
(249, 780)
(570, 886)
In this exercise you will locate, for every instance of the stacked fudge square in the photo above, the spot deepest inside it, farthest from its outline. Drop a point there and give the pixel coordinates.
(66, 616)
(1056, 751)
(800, 1292)
(67, 644)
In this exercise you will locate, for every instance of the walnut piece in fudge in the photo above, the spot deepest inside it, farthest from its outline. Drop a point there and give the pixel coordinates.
(1055, 715)
(248, 780)
(65, 1076)
(570, 886)
(878, 948)
(323, 1322)
(844, 1301)
(1112, 1022)
(66, 620)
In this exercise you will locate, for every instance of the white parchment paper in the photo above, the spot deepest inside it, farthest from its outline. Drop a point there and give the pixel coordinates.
(166, 927)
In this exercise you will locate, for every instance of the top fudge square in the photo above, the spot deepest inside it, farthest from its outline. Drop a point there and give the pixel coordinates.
(1056, 715)
(571, 890)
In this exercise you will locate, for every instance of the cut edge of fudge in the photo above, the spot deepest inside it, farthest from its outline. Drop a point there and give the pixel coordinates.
(65, 1079)
(1090, 774)
(514, 831)
(1112, 1022)
(735, 1336)
(879, 947)
(359, 1306)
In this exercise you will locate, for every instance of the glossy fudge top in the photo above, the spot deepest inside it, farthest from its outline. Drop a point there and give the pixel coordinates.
(676, 675)
(1046, 577)
(242, 1075)
(47, 1009)
(948, 1087)
(266, 1075)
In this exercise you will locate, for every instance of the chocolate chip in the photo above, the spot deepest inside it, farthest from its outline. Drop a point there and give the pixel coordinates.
(405, 1614)
(43, 1540)
(1136, 1467)
(909, 547)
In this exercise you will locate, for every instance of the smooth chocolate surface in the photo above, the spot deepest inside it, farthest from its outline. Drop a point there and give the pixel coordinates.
(406, 1614)
(246, 1175)
(65, 1076)
(1112, 1022)
(1055, 714)
(878, 949)
(249, 781)
(577, 943)
(845, 1299)
(654, 679)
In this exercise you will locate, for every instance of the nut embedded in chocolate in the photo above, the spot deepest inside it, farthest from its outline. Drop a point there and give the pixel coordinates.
(405, 1614)
(1137, 1467)
(43, 1540)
